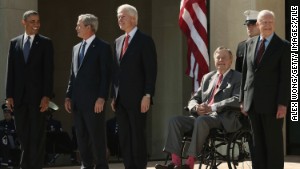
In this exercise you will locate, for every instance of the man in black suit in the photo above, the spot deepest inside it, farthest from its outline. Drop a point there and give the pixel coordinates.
(252, 30)
(87, 91)
(134, 77)
(265, 91)
(29, 88)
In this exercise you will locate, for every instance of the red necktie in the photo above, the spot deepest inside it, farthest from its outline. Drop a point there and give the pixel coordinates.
(260, 52)
(211, 99)
(125, 46)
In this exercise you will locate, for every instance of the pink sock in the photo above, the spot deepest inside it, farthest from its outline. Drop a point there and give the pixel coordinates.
(176, 159)
(190, 162)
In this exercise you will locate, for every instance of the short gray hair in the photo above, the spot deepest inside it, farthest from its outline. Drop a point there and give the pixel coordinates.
(89, 19)
(29, 13)
(224, 48)
(130, 9)
(264, 13)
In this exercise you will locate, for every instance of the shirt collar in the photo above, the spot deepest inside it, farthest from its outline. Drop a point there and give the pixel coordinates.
(131, 33)
(90, 39)
(26, 36)
(224, 74)
(267, 38)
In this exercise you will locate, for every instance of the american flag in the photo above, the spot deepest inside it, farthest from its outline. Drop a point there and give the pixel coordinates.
(193, 23)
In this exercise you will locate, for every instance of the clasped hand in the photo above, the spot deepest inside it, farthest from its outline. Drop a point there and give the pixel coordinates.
(203, 109)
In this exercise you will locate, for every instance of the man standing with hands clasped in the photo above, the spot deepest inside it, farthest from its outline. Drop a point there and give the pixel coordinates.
(265, 91)
(87, 91)
(29, 88)
(134, 77)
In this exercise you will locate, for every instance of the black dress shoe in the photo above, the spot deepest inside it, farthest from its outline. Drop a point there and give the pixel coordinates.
(169, 166)
(184, 166)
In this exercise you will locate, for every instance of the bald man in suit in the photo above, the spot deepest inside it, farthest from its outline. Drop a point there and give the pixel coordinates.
(134, 77)
(265, 91)
(214, 105)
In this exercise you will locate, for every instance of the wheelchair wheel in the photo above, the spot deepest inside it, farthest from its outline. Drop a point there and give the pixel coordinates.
(238, 151)
(207, 158)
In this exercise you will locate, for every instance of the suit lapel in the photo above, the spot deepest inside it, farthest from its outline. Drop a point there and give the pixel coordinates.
(212, 82)
(119, 45)
(88, 52)
(268, 52)
(75, 58)
(252, 49)
(20, 47)
(225, 81)
(131, 45)
(34, 46)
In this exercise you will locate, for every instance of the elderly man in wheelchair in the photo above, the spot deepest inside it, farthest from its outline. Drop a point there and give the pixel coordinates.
(214, 106)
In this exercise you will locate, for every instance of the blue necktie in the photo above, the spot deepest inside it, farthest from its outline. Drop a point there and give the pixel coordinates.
(81, 54)
(26, 49)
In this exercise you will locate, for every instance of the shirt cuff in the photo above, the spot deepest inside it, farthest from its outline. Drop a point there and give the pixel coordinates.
(213, 108)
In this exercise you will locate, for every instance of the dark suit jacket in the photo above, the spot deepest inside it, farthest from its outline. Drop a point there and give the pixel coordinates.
(91, 80)
(226, 99)
(268, 84)
(135, 74)
(34, 77)
(240, 56)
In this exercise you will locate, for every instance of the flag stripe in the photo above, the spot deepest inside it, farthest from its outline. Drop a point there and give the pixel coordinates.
(193, 23)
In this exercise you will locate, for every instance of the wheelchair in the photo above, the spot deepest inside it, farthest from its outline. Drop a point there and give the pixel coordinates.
(236, 154)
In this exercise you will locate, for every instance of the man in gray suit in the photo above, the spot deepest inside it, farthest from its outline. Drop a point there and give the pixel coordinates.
(214, 106)
(87, 91)
(265, 91)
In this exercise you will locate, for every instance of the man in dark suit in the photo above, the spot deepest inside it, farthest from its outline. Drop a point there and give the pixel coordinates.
(265, 91)
(252, 30)
(87, 91)
(29, 88)
(134, 77)
(214, 105)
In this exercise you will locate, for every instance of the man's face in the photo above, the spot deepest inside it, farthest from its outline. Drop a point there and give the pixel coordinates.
(252, 30)
(266, 25)
(82, 30)
(222, 60)
(125, 21)
(32, 24)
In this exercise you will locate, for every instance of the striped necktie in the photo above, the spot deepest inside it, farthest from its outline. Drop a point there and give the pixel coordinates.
(211, 100)
(260, 52)
(81, 54)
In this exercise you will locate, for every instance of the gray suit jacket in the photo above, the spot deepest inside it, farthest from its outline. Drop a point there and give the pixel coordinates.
(226, 99)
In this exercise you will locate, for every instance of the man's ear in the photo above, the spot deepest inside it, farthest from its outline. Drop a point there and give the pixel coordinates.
(23, 22)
